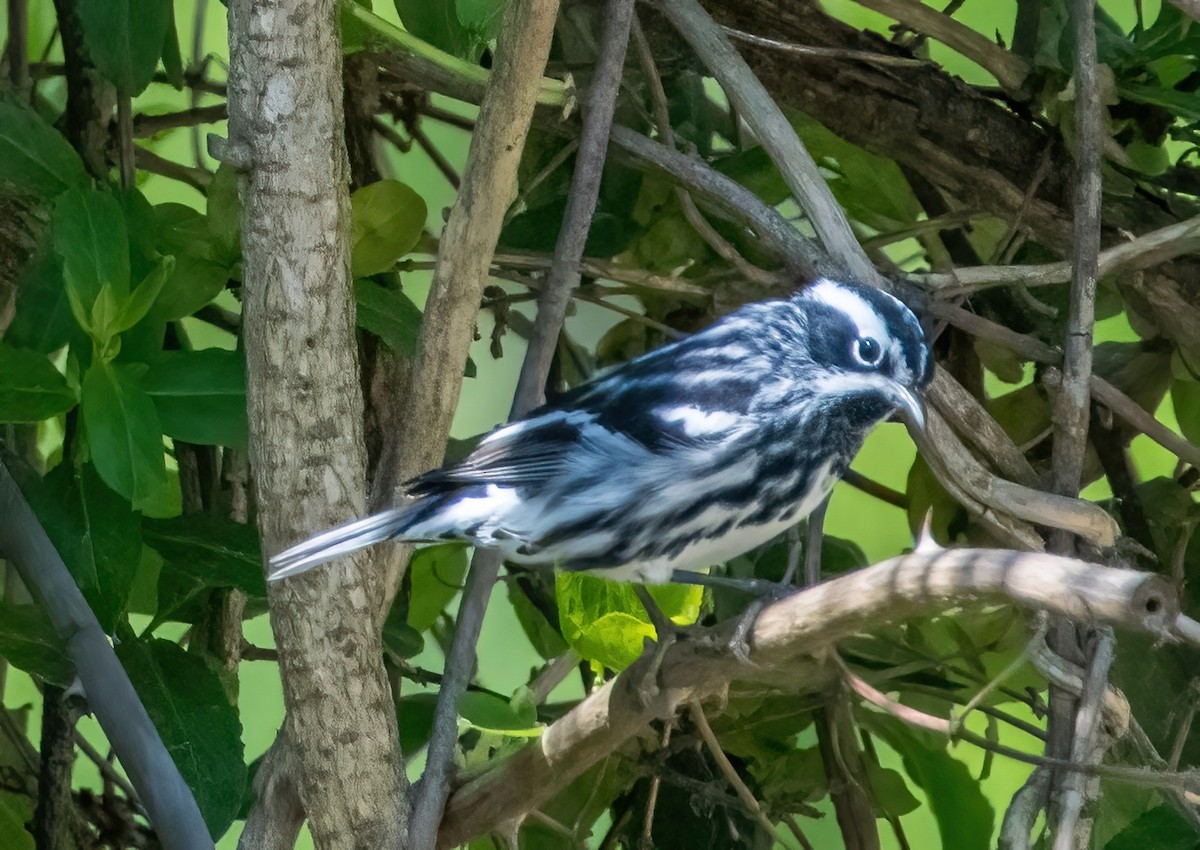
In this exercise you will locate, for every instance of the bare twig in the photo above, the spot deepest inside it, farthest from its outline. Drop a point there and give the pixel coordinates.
(729, 198)
(1071, 413)
(756, 106)
(581, 205)
(1149, 249)
(1087, 747)
(696, 712)
(1009, 69)
(821, 52)
(145, 124)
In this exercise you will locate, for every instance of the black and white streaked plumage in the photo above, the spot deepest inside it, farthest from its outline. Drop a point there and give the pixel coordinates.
(678, 460)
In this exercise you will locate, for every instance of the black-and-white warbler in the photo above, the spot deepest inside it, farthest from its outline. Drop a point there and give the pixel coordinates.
(681, 459)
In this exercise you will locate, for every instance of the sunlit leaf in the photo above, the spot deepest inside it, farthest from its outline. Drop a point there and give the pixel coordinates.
(493, 714)
(90, 236)
(386, 221)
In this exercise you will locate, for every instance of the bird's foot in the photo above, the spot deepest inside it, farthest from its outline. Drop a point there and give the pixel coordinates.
(739, 642)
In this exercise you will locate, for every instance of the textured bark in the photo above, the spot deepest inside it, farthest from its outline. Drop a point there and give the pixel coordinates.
(305, 408)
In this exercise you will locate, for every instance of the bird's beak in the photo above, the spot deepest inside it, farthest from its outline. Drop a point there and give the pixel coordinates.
(909, 402)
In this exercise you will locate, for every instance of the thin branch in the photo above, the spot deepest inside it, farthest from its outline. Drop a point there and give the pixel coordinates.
(145, 124)
(696, 713)
(1149, 249)
(822, 52)
(597, 111)
(1087, 747)
(1009, 69)
(463, 259)
(439, 159)
(756, 106)
(874, 488)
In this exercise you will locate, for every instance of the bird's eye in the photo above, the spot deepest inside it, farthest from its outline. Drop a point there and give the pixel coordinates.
(868, 350)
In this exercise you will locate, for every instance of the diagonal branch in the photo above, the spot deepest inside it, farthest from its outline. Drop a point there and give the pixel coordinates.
(787, 635)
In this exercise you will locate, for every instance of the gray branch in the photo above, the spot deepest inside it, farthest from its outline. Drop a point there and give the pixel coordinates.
(168, 801)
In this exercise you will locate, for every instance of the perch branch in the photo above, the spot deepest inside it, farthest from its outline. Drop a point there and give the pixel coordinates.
(787, 634)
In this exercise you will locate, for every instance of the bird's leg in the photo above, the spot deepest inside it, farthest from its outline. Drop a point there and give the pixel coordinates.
(752, 586)
(665, 635)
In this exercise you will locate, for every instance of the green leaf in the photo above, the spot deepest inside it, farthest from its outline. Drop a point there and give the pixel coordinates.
(95, 533)
(224, 216)
(200, 396)
(125, 39)
(964, 815)
(171, 58)
(389, 314)
(480, 18)
(201, 552)
(185, 698)
(1185, 395)
(546, 641)
(436, 21)
(437, 574)
(31, 389)
(1161, 828)
(386, 221)
(29, 642)
(414, 717)
(605, 621)
(399, 638)
(34, 157)
(139, 302)
(890, 792)
(123, 431)
(193, 283)
(43, 320)
(90, 236)
(492, 714)
(15, 811)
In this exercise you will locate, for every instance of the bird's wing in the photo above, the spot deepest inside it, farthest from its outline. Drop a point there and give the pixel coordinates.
(526, 452)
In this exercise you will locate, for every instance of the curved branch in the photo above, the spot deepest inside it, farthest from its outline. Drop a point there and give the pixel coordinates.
(786, 636)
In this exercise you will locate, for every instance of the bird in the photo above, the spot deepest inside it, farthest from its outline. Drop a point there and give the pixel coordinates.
(677, 460)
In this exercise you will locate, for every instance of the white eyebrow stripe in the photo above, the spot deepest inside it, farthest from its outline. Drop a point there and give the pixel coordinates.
(855, 308)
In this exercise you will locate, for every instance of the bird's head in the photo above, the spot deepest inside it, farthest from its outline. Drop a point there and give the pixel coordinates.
(871, 349)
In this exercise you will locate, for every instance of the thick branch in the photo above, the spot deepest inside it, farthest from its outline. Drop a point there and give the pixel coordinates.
(786, 636)
(305, 411)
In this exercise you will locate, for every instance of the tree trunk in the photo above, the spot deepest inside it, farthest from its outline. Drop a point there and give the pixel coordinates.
(305, 409)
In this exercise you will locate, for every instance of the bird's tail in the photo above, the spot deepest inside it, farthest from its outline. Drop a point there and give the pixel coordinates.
(338, 541)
